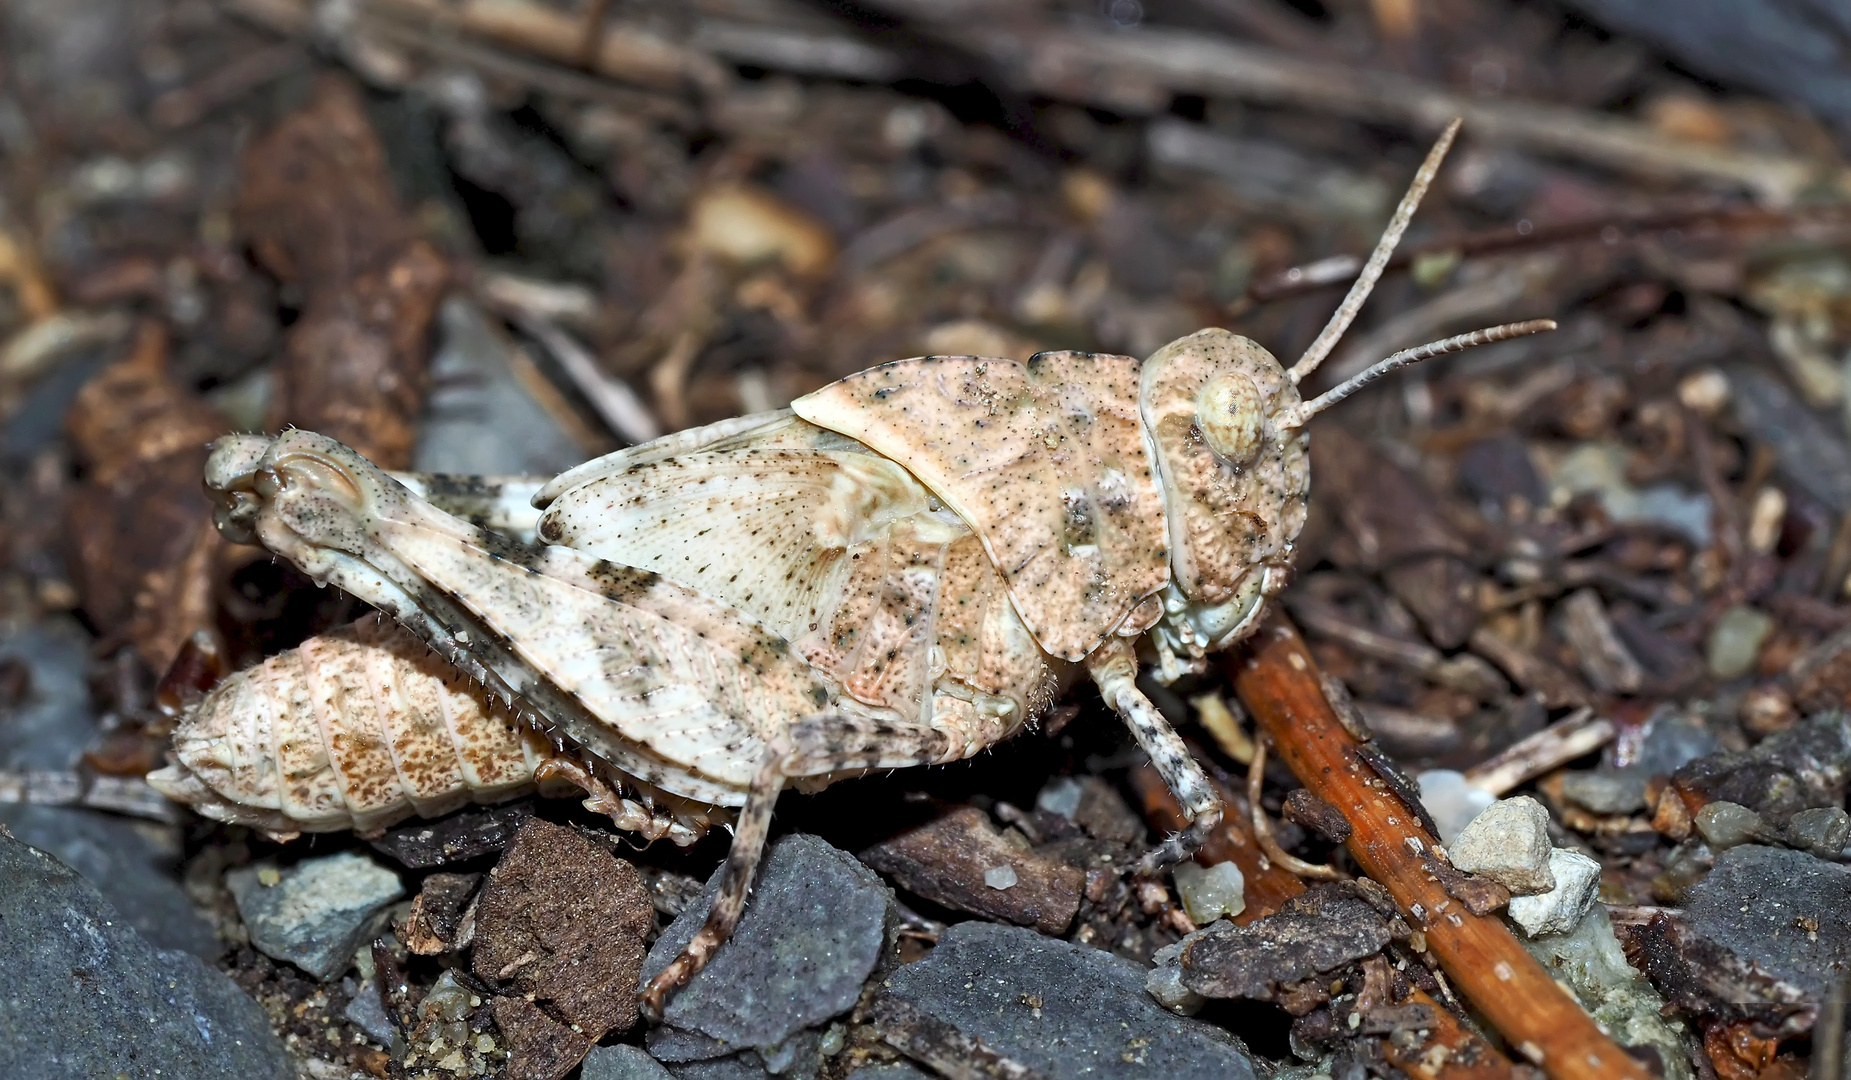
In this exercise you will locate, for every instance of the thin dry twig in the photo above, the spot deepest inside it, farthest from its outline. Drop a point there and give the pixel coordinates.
(1122, 68)
(1263, 828)
(1278, 681)
(1578, 733)
(617, 405)
(129, 795)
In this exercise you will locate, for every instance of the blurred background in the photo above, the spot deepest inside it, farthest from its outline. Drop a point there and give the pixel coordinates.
(505, 236)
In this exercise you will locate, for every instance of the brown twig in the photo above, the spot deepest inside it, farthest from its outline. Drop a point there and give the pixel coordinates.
(1278, 681)
(1269, 885)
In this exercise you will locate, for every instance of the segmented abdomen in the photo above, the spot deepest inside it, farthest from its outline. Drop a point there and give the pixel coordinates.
(355, 729)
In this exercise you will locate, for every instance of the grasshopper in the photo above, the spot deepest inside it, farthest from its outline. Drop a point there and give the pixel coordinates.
(903, 568)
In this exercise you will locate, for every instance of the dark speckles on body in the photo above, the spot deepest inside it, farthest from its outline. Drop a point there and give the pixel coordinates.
(622, 584)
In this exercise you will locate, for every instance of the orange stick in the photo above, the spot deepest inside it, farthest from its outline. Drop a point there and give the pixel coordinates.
(1278, 681)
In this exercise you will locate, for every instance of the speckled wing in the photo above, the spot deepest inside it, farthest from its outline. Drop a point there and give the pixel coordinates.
(1046, 461)
(682, 690)
(772, 430)
(767, 531)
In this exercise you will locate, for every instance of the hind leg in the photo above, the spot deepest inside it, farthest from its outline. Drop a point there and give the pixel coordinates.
(812, 747)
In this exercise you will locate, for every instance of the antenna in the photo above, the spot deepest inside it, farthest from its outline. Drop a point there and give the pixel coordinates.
(1304, 411)
(1345, 314)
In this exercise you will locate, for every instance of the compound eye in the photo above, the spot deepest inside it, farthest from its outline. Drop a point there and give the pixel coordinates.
(1231, 415)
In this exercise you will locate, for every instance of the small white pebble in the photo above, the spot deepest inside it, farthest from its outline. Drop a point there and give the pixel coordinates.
(1209, 893)
(1000, 877)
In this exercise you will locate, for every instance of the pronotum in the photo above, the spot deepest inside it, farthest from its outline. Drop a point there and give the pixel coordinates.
(903, 568)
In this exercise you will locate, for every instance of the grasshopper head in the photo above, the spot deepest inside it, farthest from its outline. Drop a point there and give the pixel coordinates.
(302, 495)
(1220, 411)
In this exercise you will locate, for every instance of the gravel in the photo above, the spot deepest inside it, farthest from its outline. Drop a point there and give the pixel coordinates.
(316, 913)
(622, 1063)
(1559, 911)
(87, 996)
(1508, 843)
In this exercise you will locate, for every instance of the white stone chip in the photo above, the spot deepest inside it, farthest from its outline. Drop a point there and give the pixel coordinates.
(1000, 877)
(1209, 893)
(1451, 800)
(1508, 843)
(1560, 910)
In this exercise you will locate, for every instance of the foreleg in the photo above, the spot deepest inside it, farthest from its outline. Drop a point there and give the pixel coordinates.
(1114, 666)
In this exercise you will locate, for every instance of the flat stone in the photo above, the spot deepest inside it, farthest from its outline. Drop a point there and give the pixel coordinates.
(622, 1063)
(316, 913)
(893, 1070)
(809, 938)
(134, 864)
(733, 1067)
(562, 922)
(962, 861)
(367, 1011)
(1672, 740)
(1781, 911)
(479, 420)
(1605, 791)
(86, 996)
(1559, 911)
(1060, 1009)
(1319, 930)
(1508, 843)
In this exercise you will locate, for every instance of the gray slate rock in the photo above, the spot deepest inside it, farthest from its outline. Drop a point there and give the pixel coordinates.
(1783, 911)
(134, 864)
(1672, 740)
(54, 724)
(622, 1063)
(85, 996)
(479, 420)
(810, 936)
(1605, 791)
(318, 912)
(736, 1067)
(1093, 1018)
